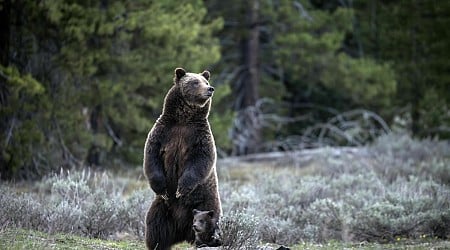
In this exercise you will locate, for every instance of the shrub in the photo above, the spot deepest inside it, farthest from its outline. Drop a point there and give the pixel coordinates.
(325, 220)
(239, 231)
(19, 210)
(406, 210)
(364, 196)
(63, 217)
(376, 193)
(133, 212)
(81, 202)
(397, 155)
(100, 216)
(279, 230)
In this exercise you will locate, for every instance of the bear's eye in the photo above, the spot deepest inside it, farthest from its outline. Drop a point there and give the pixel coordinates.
(195, 83)
(201, 221)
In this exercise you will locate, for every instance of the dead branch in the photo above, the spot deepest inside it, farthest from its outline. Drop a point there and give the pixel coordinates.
(302, 10)
(10, 131)
(111, 133)
(66, 152)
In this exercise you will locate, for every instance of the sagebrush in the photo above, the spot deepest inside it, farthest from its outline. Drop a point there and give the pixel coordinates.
(396, 188)
(83, 202)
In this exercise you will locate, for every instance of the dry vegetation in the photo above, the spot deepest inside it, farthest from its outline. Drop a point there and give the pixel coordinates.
(396, 189)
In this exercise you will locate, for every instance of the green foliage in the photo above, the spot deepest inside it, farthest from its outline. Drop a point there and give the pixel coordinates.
(128, 61)
(95, 77)
(81, 82)
(320, 58)
(411, 36)
(305, 65)
(21, 84)
(366, 82)
(310, 52)
(434, 113)
(23, 129)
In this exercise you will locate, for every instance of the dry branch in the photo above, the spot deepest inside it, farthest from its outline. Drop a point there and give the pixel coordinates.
(352, 128)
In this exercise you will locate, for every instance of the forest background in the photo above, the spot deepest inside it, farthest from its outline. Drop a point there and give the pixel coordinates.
(81, 82)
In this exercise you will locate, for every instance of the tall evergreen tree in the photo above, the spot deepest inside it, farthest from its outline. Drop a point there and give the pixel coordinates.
(414, 37)
(301, 62)
(85, 79)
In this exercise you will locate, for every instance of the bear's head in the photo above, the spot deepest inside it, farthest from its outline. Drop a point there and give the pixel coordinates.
(207, 232)
(194, 88)
(203, 221)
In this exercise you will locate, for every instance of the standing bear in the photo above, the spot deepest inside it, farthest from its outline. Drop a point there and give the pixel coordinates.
(180, 162)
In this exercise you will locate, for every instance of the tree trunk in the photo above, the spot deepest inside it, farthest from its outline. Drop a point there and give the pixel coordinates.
(4, 32)
(251, 57)
(415, 74)
(4, 93)
(246, 130)
(93, 156)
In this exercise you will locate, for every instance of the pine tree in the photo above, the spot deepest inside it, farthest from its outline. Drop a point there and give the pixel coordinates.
(85, 79)
(303, 65)
(412, 36)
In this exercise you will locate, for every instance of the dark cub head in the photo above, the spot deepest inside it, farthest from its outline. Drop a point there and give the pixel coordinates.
(207, 232)
(203, 221)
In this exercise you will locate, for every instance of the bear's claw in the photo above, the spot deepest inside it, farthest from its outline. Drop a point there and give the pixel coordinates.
(165, 196)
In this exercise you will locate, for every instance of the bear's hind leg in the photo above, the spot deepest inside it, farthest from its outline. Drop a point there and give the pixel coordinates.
(158, 235)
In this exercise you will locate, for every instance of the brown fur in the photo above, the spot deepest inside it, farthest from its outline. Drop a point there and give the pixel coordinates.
(206, 229)
(179, 162)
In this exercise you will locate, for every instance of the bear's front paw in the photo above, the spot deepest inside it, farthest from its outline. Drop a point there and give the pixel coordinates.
(181, 192)
(165, 196)
(177, 194)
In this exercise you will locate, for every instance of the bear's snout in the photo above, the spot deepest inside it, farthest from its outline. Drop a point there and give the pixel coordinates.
(210, 91)
(196, 229)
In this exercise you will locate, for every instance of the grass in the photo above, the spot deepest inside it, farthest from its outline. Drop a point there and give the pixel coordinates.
(29, 239)
(18, 239)
(403, 244)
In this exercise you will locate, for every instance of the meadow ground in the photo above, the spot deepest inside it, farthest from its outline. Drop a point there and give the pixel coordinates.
(394, 194)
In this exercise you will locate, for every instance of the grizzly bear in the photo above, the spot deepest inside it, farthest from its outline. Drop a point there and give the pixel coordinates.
(207, 232)
(180, 162)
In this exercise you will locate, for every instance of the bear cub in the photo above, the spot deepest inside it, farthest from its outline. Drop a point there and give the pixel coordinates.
(206, 229)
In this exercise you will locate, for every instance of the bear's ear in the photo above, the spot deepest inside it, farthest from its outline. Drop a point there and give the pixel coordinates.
(206, 74)
(195, 211)
(211, 213)
(179, 72)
